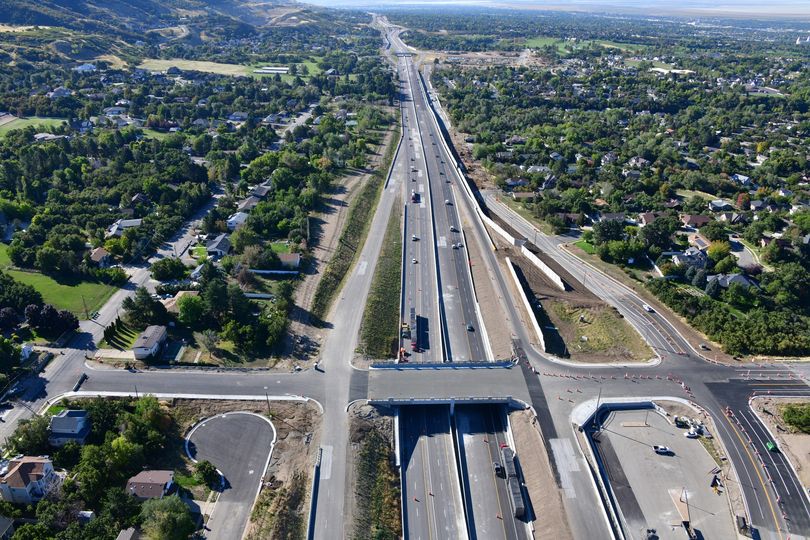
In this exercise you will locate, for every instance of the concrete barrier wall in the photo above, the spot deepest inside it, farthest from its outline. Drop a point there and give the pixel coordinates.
(313, 501)
(404, 226)
(527, 305)
(498, 229)
(551, 274)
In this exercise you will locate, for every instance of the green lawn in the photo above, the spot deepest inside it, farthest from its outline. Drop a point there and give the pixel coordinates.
(585, 246)
(62, 295)
(280, 247)
(123, 339)
(199, 253)
(20, 123)
(152, 134)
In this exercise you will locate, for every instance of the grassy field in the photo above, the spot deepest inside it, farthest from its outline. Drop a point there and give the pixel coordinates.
(280, 247)
(586, 247)
(378, 333)
(123, 339)
(563, 46)
(160, 64)
(20, 123)
(153, 134)
(525, 213)
(604, 332)
(62, 295)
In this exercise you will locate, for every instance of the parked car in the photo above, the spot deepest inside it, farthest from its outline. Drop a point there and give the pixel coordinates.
(663, 450)
(691, 434)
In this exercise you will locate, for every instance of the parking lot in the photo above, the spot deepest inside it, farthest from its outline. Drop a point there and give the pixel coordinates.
(653, 490)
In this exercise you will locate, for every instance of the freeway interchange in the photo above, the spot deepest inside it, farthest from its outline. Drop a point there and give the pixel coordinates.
(452, 424)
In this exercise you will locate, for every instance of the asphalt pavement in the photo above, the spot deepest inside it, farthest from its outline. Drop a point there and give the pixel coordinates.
(239, 445)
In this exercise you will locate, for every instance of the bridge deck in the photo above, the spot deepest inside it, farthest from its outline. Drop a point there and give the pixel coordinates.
(445, 384)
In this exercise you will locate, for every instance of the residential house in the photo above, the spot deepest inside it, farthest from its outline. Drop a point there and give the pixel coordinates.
(556, 156)
(6, 528)
(149, 342)
(784, 192)
(290, 261)
(741, 179)
(128, 534)
(536, 169)
(238, 116)
(694, 220)
(219, 246)
(100, 257)
(171, 303)
(118, 228)
(691, 257)
(638, 162)
(246, 205)
(28, 479)
(262, 190)
(719, 205)
(114, 111)
(236, 220)
(609, 158)
(69, 425)
(631, 174)
(150, 484)
(758, 205)
(516, 182)
(59, 92)
(648, 217)
(768, 240)
(732, 217)
(699, 241)
(85, 68)
(615, 216)
(725, 280)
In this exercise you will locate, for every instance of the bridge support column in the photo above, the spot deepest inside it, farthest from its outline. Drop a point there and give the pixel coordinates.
(452, 407)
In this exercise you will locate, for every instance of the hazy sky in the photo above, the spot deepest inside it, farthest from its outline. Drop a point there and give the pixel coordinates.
(708, 7)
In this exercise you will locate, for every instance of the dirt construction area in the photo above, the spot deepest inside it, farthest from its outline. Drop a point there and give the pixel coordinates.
(576, 324)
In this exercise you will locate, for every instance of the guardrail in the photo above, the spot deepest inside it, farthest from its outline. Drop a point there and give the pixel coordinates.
(313, 501)
(500, 364)
(404, 225)
(527, 304)
(443, 401)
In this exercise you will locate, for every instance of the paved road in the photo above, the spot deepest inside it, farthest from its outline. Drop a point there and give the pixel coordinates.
(429, 475)
(480, 434)
(239, 445)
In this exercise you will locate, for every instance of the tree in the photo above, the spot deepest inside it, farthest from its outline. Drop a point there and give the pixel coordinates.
(659, 232)
(718, 251)
(30, 531)
(168, 268)
(141, 310)
(191, 311)
(242, 238)
(209, 340)
(168, 518)
(605, 231)
(726, 265)
(8, 318)
(714, 231)
(9, 355)
(31, 437)
(699, 280)
(712, 288)
(206, 473)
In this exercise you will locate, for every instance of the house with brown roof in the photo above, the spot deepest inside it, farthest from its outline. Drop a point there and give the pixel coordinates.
(694, 220)
(27, 479)
(150, 484)
(101, 257)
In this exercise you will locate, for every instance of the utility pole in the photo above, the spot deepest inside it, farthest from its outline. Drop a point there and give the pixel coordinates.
(136, 391)
(86, 313)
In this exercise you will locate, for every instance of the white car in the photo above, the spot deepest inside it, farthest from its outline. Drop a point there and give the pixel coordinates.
(663, 450)
(691, 434)
(447, 202)
(414, 237)
(413, 261)
(647, 308)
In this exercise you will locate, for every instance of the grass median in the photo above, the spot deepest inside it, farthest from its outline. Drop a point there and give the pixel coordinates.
(354, 234)
(378, 333)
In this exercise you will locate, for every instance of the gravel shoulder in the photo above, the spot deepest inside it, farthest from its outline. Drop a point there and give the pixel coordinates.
(795, 445)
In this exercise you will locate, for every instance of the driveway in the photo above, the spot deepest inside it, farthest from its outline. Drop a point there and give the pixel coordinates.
(239, 445)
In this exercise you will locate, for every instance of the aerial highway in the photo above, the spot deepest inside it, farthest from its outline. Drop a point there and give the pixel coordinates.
(430, 478)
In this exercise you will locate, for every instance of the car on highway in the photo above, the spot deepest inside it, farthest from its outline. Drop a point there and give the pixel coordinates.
(470, 328)
(413, 261)
(663, 450)
(456, 246)
(771, 446)
(453, 229)
(647, 308)
(414, 237)
(497, 468)
(447, 202)
(704, 347)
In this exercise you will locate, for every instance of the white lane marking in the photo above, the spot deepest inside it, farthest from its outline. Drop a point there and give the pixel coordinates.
(566, 464)
(421, 188)
(250, 471)
(442, 242)
(326, 462)
(361, 268)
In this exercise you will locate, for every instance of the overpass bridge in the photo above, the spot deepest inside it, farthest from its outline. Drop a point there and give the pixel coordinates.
(450, 383)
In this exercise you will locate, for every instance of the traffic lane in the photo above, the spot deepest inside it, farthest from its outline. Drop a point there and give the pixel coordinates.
(239, 446)
(417, 506)
(791, 497)
(489, 517)
(211, 384)
(444, 489)
(516, 528)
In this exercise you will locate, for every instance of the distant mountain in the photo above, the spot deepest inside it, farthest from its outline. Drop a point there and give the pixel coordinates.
(129, 18)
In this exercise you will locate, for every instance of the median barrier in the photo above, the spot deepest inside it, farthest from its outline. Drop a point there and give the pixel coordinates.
(527, 305)
(551, 274)
(408, 366)
(313, 501)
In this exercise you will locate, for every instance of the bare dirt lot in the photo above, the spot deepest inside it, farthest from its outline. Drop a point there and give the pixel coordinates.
(795, 445)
